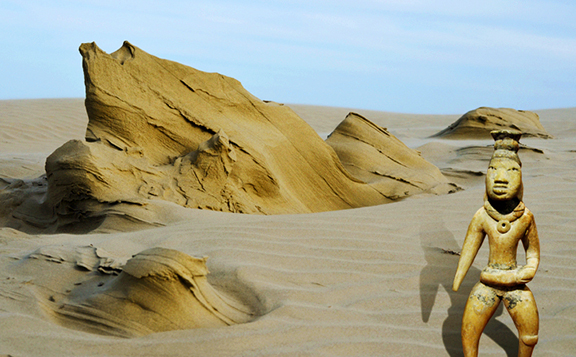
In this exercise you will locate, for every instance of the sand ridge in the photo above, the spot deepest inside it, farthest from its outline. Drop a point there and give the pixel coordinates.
(353, 282)
(367, 281)
(479, 122)
(162, 131)
(156, 290)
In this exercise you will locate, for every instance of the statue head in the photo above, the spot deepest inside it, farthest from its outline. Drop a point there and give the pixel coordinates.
(504, 176)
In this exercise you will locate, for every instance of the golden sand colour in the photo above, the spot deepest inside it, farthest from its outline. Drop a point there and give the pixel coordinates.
(373, 280)
(157, 290)
(480, 122)
(200, 140)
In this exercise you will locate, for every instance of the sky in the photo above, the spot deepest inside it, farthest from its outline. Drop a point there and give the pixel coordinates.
(410, 56)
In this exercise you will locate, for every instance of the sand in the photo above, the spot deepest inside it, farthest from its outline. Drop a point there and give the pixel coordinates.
(122, 234)
(160, 132)
(473, 123)
(366, 281)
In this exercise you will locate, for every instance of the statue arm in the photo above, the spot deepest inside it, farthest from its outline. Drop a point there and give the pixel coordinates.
(532, 246)
(474, 238)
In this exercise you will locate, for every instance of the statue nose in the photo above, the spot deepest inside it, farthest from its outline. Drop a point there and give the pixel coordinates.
(501, 176)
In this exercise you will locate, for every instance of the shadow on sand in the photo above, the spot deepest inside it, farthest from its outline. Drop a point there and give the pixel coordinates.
(435, 241)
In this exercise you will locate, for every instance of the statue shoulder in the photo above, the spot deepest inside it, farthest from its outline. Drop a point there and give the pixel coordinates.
(479, 217)
(528, 214)
(481, 213)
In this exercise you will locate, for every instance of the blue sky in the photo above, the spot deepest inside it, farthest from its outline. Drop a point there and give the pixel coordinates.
(410, 56)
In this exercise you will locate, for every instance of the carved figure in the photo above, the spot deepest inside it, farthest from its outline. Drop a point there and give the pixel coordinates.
(506, 222)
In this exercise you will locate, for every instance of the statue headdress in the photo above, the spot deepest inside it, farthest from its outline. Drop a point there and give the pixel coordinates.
(506, 144)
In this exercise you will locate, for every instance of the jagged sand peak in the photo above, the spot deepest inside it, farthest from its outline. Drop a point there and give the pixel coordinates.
(160, 130)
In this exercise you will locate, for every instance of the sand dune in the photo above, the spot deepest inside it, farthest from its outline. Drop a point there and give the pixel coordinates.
(370, 153)
(373, 280)
(479, 122)
(156, 290)
(367, 281)
(200, 140)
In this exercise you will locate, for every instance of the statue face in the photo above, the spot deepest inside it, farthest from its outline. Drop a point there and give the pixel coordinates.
(503, 180)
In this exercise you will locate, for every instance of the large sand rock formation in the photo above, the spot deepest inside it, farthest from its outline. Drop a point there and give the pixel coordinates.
(159, 129)
(162, 131)
(477, 124)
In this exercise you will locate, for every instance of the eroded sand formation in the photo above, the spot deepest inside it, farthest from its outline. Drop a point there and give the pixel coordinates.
(373, 155)
(156, 290)
(332, 283)
(477, 124)
(159, 130)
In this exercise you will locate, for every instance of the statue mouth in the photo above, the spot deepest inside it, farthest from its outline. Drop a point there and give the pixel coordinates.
(500, 189)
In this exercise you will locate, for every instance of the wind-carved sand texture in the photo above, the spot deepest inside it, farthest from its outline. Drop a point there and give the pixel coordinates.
(477, 124)
(369, 281)
(156, 290)
(159, 131)
(373, 155)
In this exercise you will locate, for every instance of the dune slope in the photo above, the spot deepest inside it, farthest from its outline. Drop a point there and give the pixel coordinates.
(159, 131)
(479, 122)
(368, 281)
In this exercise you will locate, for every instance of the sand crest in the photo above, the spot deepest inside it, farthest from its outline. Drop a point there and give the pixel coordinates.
(479, 122)
(368, 281)
(161, 131)
(371, 154)
(156, 290)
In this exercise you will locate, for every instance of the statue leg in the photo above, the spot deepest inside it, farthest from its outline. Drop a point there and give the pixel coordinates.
(522, 308)
(480, 307)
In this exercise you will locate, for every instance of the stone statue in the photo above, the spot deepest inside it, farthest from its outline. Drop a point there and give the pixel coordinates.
(506, 222)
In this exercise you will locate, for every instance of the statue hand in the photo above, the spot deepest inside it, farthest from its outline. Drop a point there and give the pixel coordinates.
(525, 274)
(492, 276)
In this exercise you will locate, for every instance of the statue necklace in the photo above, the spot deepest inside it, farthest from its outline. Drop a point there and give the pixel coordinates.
(504, 220)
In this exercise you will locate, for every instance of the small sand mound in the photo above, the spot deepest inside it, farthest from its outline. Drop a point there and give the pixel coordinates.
(477, 124)
(157, 290)
(371, 154)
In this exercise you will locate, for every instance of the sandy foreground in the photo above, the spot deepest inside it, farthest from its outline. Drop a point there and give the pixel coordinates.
(368, 281)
